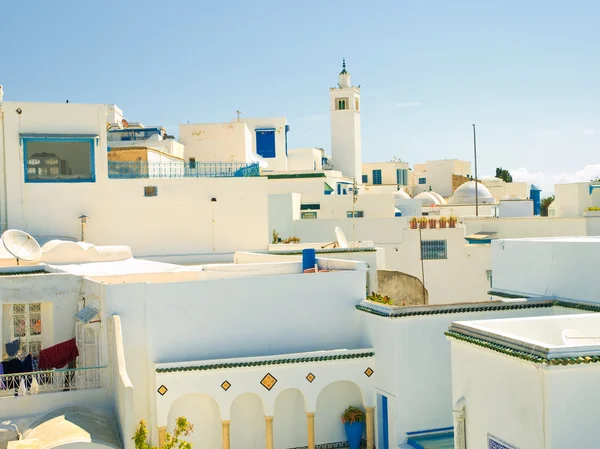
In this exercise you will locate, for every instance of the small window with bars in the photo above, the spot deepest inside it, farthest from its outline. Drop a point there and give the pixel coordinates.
(26, 324)
(341, 104)
(355, 214)
(434, 249)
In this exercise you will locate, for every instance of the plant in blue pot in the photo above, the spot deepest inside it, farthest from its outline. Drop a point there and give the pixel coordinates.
(354, 424)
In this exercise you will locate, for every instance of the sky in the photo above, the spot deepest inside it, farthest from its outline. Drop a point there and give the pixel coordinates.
(527, 73)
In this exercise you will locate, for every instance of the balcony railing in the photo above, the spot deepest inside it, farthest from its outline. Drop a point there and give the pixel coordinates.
(141, 169)
(39, 382)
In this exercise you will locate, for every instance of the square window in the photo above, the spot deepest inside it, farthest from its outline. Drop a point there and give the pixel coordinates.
(434, 249)
(308, 215)
(422, 180)
(377, 177)
(59, 159)
(150, 191)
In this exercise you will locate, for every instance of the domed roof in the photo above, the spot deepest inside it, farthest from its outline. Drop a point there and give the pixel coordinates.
(465, 194)
(439, 197)
(401, 194)
(428, 199)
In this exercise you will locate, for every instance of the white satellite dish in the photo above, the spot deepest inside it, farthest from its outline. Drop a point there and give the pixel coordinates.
(259, 160)
(341, 238)
(21, 245)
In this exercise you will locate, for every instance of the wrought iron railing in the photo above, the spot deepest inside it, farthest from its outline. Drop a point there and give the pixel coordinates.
(38, 382)
(141, 169)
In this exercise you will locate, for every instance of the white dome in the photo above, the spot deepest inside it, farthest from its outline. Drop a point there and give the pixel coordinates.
(428, 199)
(439, 197)
(465, 194)
(399, 197)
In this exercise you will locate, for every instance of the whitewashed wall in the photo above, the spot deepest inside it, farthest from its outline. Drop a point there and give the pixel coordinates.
(527, 227)
(215, 142)
(388, 171)
(504, 397)
(562, 267)
(210, 319)
(182, 219)
(418, 376)
(279, 162)
(305, 159)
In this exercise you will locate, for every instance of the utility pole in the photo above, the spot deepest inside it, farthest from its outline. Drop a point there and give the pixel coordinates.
(476, 192)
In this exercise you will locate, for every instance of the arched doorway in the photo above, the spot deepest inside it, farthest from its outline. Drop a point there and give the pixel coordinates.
(204, 414)
(248, 428)
(331, 403)
(289, 422)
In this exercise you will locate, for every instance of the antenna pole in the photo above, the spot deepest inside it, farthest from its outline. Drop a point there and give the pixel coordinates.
(476, 192)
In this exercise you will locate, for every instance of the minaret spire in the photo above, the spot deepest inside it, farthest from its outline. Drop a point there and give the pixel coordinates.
(344, 71)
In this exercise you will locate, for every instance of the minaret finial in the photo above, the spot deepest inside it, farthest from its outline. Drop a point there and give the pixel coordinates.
(344, 71)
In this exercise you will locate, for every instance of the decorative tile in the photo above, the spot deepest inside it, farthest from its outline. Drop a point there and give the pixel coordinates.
(162, 390)
(369, 372)
(497, 443)
(268, 381)
(226, 385)
(310, 377)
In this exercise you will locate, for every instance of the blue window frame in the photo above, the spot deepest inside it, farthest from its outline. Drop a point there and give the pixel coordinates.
(422, 180)
(357, 214)
(59, 158)
(365, 178)
(265, 142)
(434, 249)
(376, 177)
(402, 176)
(287, 130)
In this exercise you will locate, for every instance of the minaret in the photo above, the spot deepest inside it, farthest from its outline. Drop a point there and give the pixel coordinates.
(344, 104)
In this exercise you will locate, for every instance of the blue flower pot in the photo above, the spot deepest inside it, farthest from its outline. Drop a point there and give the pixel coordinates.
(354, 434)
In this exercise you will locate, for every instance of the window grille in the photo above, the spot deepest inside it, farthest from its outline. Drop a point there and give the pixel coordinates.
(434, 249)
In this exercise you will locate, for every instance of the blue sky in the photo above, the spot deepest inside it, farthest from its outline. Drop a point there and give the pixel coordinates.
(526, 72)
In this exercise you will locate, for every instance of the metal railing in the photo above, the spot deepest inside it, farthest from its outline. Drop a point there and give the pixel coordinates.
(142, 169)
(38, 382)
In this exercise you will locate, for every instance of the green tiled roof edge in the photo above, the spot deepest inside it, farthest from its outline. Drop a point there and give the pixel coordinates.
(506, 295)
(466, 308)
(506, 306)
(325, 358)
(296, 176)
(523, 355)
(325, 251)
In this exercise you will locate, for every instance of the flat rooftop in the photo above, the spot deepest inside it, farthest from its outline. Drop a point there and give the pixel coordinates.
(554, 340)
(574, 239)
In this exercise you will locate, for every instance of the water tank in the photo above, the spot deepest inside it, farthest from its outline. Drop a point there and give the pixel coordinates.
(535, 194)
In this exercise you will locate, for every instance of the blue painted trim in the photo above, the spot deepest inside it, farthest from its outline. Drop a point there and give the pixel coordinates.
(287, 129)
(592, 187)
(76, 138)
(425, 432)
(384, 417)
(265, 129)
(479, 242)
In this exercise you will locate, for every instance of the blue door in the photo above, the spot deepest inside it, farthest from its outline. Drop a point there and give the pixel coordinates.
(384, 442)
(265, 142)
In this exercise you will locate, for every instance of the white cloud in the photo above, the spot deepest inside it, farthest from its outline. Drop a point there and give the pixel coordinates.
(408, 104)
(546, 181)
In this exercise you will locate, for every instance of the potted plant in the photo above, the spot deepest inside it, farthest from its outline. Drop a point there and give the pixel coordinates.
(432, 223)
(413, 223)
(423, 223)
(443, 222)
(452, 221)
(354, 424)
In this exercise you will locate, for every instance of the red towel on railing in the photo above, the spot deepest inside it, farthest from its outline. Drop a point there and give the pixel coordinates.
(58, 355)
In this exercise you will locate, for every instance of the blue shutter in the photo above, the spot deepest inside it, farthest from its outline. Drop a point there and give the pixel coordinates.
(365, 179)
(376, 177)
(265, 142)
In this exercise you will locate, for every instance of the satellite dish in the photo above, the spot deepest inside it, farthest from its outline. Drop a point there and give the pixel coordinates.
(341, 238)
(21, 245)
(258, 160)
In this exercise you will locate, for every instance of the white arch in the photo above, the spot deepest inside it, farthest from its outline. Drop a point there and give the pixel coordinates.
(333, 399)
(247, 428)
(289, 419)
(204, 413)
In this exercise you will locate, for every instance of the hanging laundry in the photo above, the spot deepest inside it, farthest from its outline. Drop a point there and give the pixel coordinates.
(12, 348)
(59, 355)
(16, 366)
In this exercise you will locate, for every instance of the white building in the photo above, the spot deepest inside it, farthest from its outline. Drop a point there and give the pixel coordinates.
(576, 199)
(393, 173)
(539, 373)
(437, 175)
